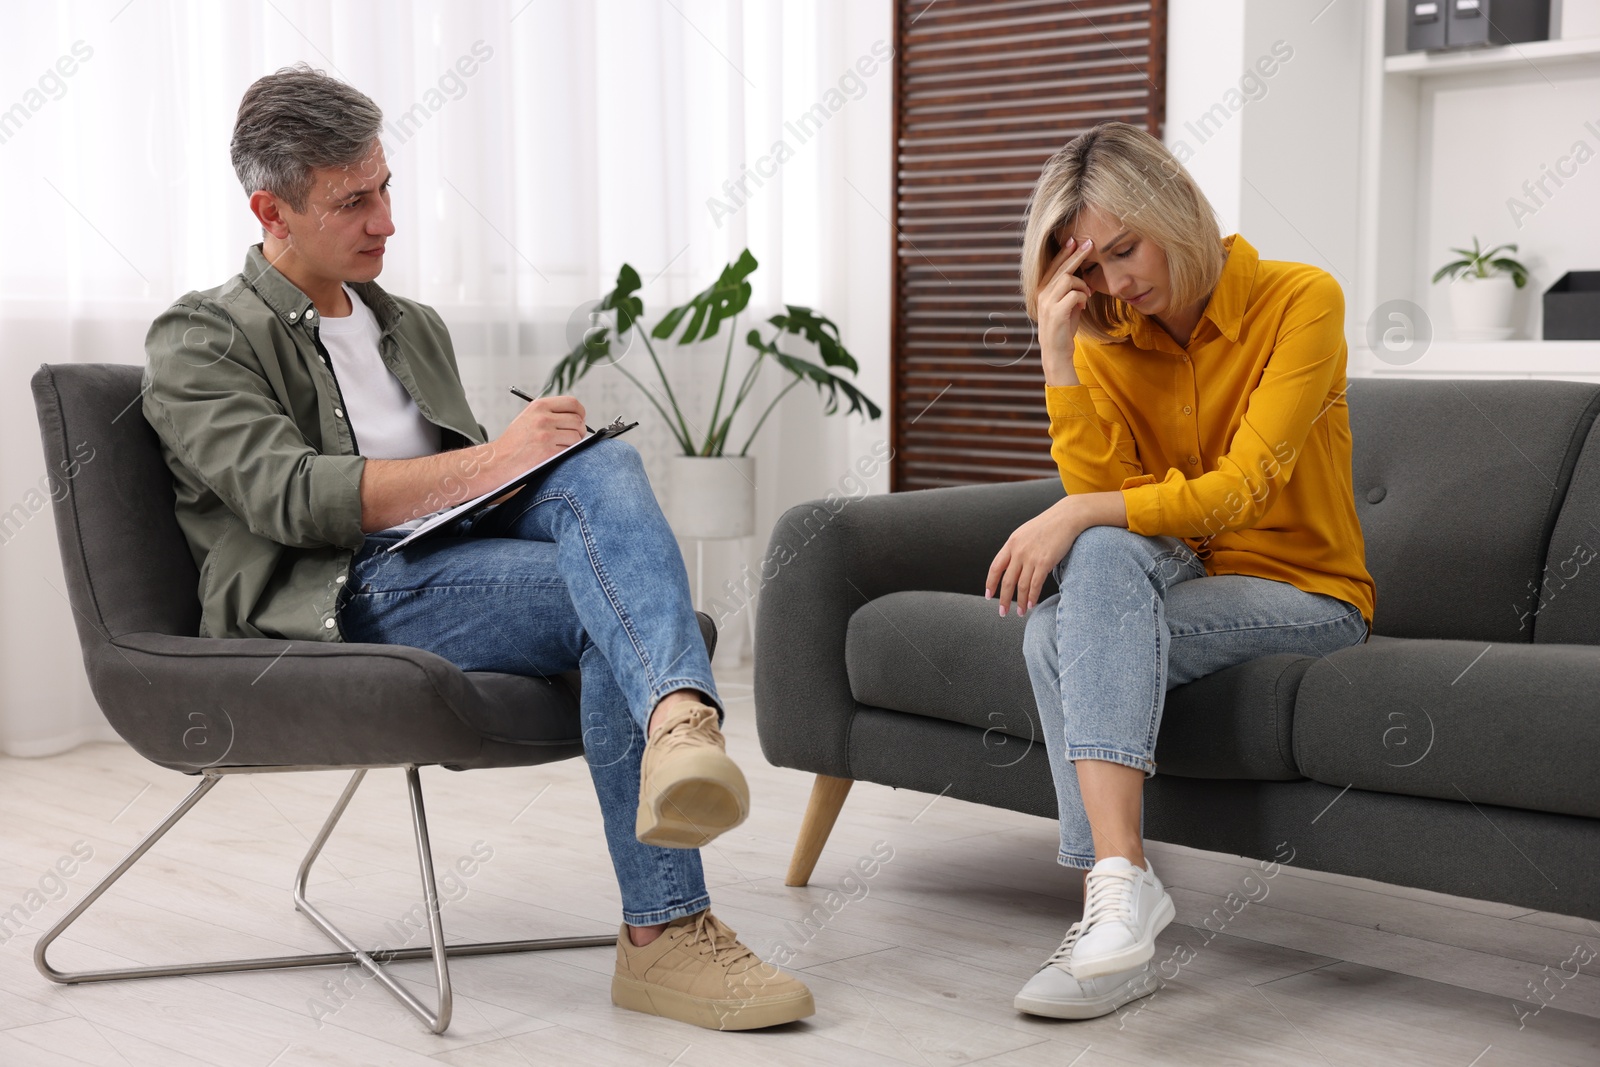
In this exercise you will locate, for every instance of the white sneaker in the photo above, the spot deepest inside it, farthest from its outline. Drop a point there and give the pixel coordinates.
(1124, 908)
(1055, 991)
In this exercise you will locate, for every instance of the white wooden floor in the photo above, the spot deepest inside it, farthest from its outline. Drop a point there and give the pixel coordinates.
(916, 966)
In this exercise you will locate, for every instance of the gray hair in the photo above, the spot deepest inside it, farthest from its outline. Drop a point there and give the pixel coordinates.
(295, 120)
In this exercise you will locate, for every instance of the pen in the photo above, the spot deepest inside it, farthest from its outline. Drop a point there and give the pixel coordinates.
(530, 399)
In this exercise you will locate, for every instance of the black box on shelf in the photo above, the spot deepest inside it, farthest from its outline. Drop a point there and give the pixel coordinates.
(1572, 307)
(1425, 21)
(1448, 24)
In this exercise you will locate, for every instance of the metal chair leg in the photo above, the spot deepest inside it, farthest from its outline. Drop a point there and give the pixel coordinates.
(44, 942)
(436, 1020)
(439, 1018)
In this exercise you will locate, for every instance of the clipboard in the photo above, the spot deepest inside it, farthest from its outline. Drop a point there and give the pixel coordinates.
(448, 520)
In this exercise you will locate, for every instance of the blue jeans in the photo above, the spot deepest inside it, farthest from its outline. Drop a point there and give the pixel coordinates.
(578, 571)
(1135, 617)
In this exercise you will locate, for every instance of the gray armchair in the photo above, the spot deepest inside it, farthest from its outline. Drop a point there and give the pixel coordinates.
(219, 708)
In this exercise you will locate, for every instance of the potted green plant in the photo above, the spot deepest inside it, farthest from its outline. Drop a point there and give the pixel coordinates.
(1481, 291)
(711, 488)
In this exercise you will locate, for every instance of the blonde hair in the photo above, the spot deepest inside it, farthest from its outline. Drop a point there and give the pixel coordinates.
(1122, 172)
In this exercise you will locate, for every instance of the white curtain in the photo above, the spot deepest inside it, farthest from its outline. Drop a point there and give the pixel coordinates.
(536, 146)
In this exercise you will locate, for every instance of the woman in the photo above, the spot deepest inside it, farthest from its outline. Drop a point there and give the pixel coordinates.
(1197, 416)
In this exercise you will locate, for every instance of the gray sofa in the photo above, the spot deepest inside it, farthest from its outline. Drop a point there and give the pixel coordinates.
(1457, 750)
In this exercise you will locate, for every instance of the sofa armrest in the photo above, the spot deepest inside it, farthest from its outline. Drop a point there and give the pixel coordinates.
(825, 560)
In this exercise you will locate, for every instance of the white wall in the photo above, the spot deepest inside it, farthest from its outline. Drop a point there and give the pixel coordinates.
(1205, 51)
(1262, 108)
(1300, 169)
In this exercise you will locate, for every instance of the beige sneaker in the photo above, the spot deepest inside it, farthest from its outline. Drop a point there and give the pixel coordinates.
(698, 972)
(689, 789)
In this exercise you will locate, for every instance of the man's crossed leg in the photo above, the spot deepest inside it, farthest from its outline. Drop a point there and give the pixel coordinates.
(581, 571)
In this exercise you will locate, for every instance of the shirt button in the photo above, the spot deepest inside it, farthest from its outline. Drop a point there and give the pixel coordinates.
(311, 313)
(1186, 409)
(327, 624)
(1194, 459)
(339, 580)
(1186, 359)
(293, 315)
(339, 412)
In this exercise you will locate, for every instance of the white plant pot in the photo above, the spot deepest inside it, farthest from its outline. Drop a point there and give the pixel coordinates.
(711, 496)
(1480, 308)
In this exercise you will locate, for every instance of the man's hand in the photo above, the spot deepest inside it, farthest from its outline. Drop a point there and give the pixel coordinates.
(540, 430)
(396, 490)
(1032, 552)
(1060, 303)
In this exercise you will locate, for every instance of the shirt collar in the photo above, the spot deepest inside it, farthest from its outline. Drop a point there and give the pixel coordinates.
(1225, 308)
(1228, 300)
(291, 305)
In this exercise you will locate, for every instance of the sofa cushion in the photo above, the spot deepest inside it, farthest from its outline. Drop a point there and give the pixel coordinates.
(1508, 724)
(1457, 486)
(1566, 610)
(951, 656)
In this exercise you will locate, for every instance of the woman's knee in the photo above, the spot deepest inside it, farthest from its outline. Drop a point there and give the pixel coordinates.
(1039, 635)
(1115, 551)
(1098, 543)
(1098, 555)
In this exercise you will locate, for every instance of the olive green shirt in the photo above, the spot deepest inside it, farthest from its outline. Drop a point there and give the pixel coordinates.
(265, 465)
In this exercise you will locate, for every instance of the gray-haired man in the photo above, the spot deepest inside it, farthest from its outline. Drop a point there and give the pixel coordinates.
(310, 420)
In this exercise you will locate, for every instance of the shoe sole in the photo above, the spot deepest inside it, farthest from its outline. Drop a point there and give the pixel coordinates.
(710, 799)
(1141, 985)
(754, 1013)
(1136, 954)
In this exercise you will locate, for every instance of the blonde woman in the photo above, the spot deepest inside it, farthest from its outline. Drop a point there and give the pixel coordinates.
(1197, 416)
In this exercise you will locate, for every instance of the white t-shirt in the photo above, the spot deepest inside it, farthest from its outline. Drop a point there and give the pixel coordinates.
(385, 419)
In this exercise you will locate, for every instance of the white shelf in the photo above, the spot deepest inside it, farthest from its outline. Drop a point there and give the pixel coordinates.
(1425, 64)
(1424, 120)
(1508, 359)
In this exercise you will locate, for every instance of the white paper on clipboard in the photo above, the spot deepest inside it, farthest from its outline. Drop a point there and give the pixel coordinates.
(445, 518)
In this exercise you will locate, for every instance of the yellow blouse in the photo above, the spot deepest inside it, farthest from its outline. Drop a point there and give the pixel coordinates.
(1239, 442)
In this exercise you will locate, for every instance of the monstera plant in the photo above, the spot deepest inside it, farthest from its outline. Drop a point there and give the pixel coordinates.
(701, 319)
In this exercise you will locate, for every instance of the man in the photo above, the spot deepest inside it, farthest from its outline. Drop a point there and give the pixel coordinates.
(310, 420)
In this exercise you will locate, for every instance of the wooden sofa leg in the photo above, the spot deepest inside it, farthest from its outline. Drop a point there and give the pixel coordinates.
(827, 797)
